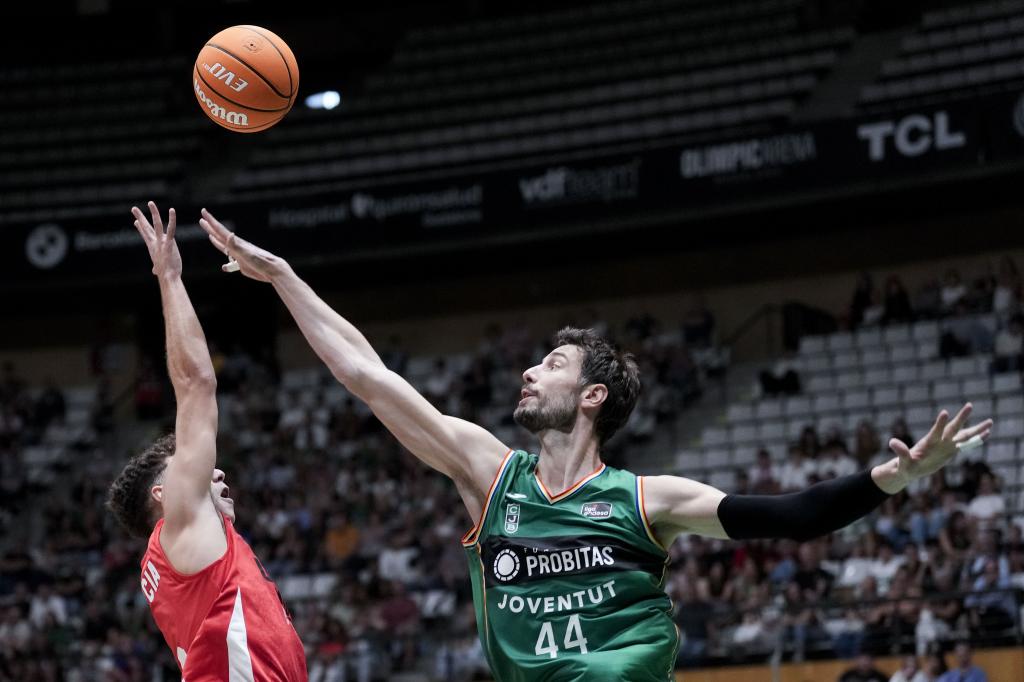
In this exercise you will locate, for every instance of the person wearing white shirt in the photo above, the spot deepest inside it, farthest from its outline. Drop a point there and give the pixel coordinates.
(987, 504)
(909, 671)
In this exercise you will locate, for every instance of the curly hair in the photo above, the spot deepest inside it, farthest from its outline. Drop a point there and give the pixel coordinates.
(603, 363)
(128, 498)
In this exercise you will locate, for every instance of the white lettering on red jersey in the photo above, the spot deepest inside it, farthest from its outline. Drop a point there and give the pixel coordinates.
(225, 623)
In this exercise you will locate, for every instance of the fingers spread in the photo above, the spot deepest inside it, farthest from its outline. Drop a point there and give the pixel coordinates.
(172, 222)
(966, 434)
(939, 426)
(958, 421)
(158, 222)
(215, 225)
(141, 219)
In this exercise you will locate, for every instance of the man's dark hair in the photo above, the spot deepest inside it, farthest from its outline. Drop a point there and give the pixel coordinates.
(128, 498)
(605, 364)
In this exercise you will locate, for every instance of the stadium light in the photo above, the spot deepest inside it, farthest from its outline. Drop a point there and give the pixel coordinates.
(323, 100)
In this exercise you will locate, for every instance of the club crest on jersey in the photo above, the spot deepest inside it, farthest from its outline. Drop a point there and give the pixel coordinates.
(512, 518)
(597, 510)
(506, 565)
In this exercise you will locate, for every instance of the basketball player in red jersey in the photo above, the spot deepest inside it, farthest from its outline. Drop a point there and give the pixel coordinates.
(219, 611)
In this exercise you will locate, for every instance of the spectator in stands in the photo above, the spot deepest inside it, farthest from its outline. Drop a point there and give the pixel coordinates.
(965, 670)
(835, 461)
(50, 405)
(955, 537)
(796, 472)
(762, 477)
(934, 667)
(1006, 292)
(988, 504)
(874, 313)
(909, 671)
(897, 302)
(698, 324)
(863, 671)
(393, 357)
(900, 430)
(693, 616)
(1009, 346)
(862, 299)
(964, 334)
(809, 442)
(953, 291)
(867, 444)
(782, 379)
(991, 612)
(149, 392)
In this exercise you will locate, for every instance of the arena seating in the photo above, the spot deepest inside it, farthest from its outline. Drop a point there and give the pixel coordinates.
(614, 74)
(954, 52)
(96, 144)
(875, 375)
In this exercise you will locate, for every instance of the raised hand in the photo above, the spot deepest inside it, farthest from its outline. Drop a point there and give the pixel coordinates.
(938, 446)
(254, 262)
(163, 250)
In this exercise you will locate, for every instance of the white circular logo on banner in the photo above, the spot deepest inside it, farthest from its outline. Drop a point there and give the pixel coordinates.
(1018, 116)
(46, 246)
(506, 565)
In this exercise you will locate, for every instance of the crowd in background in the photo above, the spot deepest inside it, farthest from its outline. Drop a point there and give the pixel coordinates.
(321, 488)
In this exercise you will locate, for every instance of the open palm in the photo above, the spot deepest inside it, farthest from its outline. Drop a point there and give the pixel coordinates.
(163, 250)
(938, 446)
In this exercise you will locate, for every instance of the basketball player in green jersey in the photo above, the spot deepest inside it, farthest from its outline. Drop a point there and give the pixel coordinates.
(567, 555)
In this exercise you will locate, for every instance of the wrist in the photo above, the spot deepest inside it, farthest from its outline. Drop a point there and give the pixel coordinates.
(169, 276)
(888, 477)
(280, 270)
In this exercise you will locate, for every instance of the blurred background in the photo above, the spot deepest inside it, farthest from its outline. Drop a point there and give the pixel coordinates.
(803, 216)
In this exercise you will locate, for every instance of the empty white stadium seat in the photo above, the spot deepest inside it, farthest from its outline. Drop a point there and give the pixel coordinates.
(1006, 383)
(826, 402)
(856, 400)
(885, 396)
(848, 380)
(839, 341)
(1010, 406)
(797, 406)
(917, 393)
(714, 435)
(768, 409)
(812, 344)
(738, 412)
(896, 334)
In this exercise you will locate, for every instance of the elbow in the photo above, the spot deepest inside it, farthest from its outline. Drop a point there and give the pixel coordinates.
(202, 381)
(354, 376)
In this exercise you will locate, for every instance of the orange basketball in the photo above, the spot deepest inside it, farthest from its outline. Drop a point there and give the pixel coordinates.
(245, 78)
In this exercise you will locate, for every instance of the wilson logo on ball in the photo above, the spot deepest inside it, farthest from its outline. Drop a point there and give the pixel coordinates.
(221, 73)
(218, 112)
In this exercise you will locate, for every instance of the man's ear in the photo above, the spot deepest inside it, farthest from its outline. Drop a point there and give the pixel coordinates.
(594, 395)
(157, 493)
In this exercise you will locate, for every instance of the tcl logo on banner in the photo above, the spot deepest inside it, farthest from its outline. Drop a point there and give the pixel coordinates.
(911, 136)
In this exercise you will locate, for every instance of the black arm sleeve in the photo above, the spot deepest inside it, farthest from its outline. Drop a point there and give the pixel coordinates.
(820, 509)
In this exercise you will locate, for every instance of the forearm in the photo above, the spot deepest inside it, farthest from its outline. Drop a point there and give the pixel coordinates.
(818, 510)
(334, 339)
(188, 358)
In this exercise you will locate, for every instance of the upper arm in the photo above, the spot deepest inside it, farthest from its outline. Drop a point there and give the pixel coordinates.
(457, 448)
(676, 505)
(186, 487)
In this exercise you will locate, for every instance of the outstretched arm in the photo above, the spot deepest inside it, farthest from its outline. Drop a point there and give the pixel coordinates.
(463, 451)
(186, 484)
(678, 505)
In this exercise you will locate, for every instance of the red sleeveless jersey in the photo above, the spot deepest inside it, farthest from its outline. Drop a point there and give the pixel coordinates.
(226, 622)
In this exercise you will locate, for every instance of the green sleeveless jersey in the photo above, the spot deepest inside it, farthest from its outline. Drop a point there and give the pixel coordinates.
(570, 586)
